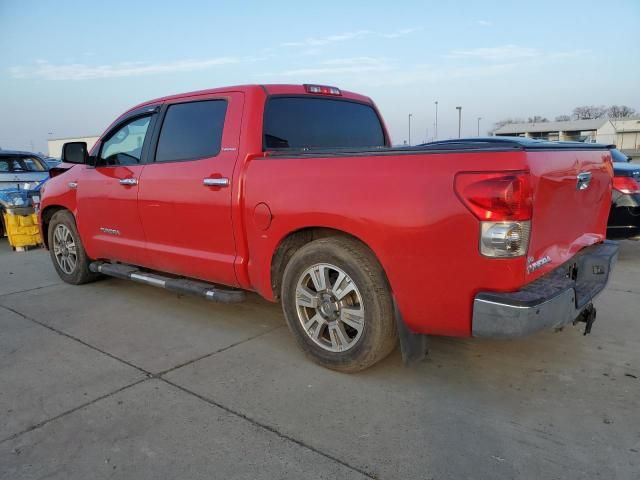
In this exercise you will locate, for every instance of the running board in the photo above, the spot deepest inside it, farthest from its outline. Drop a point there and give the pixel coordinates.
(179, 285)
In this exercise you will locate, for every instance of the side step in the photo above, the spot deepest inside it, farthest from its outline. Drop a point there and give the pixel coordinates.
(180, 285)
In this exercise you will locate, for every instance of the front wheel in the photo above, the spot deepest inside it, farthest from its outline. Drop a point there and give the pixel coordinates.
(67, 253)
(337, 302)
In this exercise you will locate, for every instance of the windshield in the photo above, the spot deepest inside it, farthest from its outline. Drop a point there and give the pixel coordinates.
(618, 156)
(310, 122)
(20, 164)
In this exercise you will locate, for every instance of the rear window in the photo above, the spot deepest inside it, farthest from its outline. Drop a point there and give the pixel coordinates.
(191, 131)
(22, 164)
(299, 122)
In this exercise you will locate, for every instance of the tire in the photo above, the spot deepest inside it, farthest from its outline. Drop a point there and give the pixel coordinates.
(75, 270)
(349, 324)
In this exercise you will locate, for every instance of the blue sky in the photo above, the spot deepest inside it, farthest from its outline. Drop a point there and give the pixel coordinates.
(69, 68)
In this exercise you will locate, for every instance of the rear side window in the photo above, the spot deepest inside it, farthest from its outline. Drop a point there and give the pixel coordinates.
(191, 131)
(299, 122)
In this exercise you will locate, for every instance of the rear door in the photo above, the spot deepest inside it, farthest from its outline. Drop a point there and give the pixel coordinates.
(572, 198)
(186, 189)
(107, 193)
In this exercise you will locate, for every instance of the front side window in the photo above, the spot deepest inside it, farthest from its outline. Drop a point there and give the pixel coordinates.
(124, 147)
(191, 130)
(304, 122)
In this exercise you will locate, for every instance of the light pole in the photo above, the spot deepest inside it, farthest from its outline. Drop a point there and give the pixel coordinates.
(459, 120)
(435, 126)
(479, 118)
(410, 115)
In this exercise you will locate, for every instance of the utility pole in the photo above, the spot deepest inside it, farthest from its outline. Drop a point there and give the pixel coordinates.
(459, 121)
(435, 126)
(479, 118)
(410, 115)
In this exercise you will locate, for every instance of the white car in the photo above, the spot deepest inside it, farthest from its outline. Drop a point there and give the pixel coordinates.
(21, 169)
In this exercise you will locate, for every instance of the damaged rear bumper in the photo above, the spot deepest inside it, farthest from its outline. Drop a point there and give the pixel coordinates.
(552, 301)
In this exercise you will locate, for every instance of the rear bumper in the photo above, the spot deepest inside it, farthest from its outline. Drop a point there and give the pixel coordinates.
(624, 221)
(551, 301)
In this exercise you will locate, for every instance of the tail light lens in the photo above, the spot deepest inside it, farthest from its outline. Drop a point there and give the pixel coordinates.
(498, 196)
(503, 202)
(626, 185)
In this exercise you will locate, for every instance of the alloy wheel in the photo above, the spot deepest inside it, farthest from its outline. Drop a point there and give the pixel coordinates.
(330, 307)
(64, 249)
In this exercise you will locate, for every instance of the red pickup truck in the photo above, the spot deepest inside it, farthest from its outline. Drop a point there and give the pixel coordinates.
(295, 192)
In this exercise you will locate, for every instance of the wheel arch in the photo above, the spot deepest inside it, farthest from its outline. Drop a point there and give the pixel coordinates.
(295, 240)
(45, 219)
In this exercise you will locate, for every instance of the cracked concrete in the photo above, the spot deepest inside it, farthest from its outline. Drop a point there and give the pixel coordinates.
(119, 380)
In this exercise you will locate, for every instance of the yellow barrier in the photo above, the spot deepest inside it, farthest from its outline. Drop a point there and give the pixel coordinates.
(22, 230)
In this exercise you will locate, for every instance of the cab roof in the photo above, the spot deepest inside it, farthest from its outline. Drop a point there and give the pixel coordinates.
(268, 89)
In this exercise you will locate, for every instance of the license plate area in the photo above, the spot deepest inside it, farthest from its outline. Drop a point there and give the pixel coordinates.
(590, 273)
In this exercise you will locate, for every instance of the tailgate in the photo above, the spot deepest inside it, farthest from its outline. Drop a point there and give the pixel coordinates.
(572, 198)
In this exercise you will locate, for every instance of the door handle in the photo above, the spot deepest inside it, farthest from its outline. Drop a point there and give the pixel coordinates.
(128, 181)
(72, 185)
(215, 182)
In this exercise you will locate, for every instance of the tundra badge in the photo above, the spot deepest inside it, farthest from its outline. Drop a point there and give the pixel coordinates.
(533, 265)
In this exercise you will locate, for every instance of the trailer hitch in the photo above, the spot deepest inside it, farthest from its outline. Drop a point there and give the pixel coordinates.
(587, 316)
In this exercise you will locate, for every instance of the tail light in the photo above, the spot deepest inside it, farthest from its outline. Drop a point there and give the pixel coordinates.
(503, 202)
(496, 195)
(626, 185)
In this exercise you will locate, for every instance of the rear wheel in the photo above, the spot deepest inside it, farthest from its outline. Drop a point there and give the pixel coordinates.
(338, 304)
(67, 253)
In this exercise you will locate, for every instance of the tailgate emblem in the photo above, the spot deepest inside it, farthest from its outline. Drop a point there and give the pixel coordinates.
(584, 179)
(533, 264)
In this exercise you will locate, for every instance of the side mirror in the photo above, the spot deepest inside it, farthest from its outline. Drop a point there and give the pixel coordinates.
(75, 152)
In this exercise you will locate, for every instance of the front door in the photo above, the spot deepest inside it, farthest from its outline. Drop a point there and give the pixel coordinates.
(186, 188)
(107, 194)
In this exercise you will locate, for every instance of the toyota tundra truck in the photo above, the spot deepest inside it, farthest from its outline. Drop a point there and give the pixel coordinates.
(295, 192)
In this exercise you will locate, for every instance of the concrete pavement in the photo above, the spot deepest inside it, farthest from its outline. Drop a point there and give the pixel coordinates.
(119, 380)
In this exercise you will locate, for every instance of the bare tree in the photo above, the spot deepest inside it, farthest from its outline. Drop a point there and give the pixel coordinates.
(620, 111)
(537, 119)
(563, 118)
(506, 121)
(588, 112)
